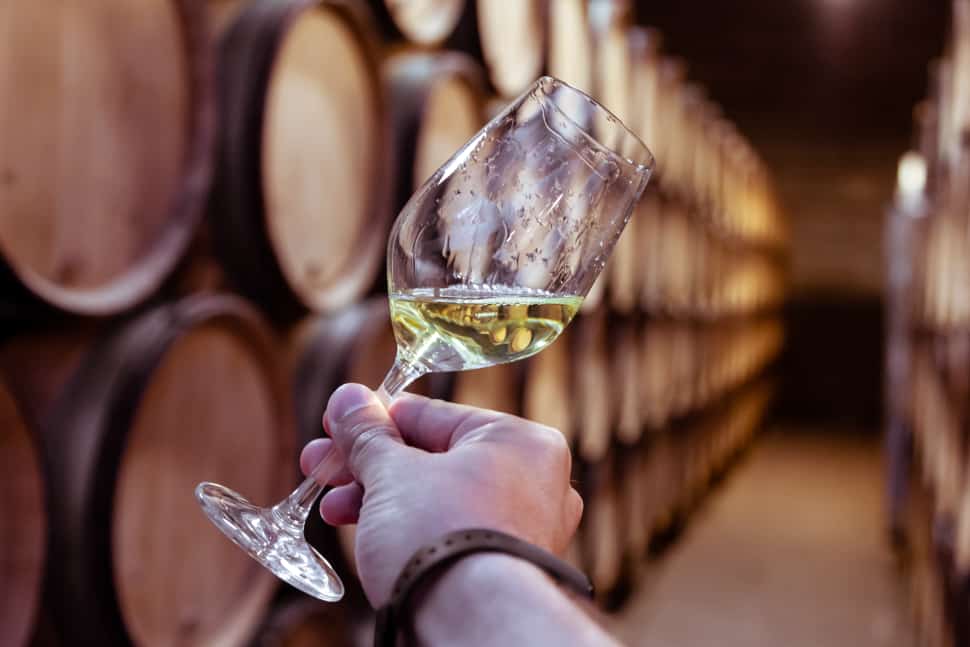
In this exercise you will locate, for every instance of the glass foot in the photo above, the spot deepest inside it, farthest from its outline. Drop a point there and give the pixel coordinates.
(272, 539)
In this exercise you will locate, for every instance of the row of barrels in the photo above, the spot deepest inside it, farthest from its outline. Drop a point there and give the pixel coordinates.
(938, 512)
(708, 238)
(298, 106)
(266, 151)
(108, 430)
(639, 496)
(671, 263)
(659, 404)
(285, 136)
(928, 351)
(702, 159)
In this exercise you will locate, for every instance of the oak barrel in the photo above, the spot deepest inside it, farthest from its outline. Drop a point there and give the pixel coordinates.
(23, 525)
(645, 46)
(625, 379)
(613, 84)
(496, 387)
(547, 390)
(594, 396)
(425, 22)
(629, 430)
(628, 77)
(299, 211)
(183, 392)
(669, 124)
(569, 386)
(649, 217)
(438, 105)
(602, 531)
(509, 37)
(569, 55)
(107, 153)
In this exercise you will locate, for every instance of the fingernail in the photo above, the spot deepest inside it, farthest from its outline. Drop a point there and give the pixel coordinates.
(348, 399)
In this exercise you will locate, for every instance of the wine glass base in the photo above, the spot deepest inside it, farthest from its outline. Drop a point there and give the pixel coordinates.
(272, 540)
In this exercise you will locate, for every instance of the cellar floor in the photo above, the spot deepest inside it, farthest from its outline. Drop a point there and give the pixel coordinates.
(790, 550)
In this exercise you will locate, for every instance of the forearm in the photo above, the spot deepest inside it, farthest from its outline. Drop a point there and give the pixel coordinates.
(495, 599)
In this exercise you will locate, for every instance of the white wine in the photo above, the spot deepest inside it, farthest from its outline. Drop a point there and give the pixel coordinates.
(459, 328)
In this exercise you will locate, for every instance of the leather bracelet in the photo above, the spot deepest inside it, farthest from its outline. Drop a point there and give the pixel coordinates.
(433, 558)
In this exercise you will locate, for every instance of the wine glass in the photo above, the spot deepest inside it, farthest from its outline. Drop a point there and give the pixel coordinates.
(487, 264)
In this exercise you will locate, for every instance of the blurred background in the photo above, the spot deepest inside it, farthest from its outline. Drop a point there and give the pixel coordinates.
(766, 392)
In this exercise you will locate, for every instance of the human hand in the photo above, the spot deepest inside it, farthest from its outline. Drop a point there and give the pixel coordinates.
(426, 467)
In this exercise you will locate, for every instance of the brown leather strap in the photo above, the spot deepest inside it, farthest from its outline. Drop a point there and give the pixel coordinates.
(449, 549)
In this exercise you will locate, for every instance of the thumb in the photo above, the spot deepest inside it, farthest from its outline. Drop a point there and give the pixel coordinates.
(362, 430)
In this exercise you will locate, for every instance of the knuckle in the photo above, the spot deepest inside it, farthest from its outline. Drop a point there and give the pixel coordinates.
(552, 448)
(578, 504)
(552, 439)
(367, 437)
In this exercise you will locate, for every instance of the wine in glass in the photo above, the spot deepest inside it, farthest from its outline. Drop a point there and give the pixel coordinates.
(487, 263)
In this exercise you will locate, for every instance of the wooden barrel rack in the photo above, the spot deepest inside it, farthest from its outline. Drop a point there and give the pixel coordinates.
(928, 353)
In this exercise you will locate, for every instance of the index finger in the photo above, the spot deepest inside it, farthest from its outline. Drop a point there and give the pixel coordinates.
(436, 425)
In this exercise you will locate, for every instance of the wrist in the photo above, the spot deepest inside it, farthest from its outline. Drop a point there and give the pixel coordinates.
(451, 607)
(477, 582)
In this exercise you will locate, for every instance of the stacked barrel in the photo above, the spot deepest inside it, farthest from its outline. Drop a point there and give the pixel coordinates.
(928, 351)
(658, 382)
(194, 210)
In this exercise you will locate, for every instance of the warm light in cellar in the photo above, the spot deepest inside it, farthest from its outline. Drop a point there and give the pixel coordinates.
(911, 177)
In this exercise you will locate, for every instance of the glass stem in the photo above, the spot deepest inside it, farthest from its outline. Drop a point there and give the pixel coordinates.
(294, 509)
(401, 375)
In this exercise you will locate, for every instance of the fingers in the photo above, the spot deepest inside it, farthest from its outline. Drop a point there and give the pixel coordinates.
(341, 505)
(363, 431)
(434, 425)
(313, 453)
